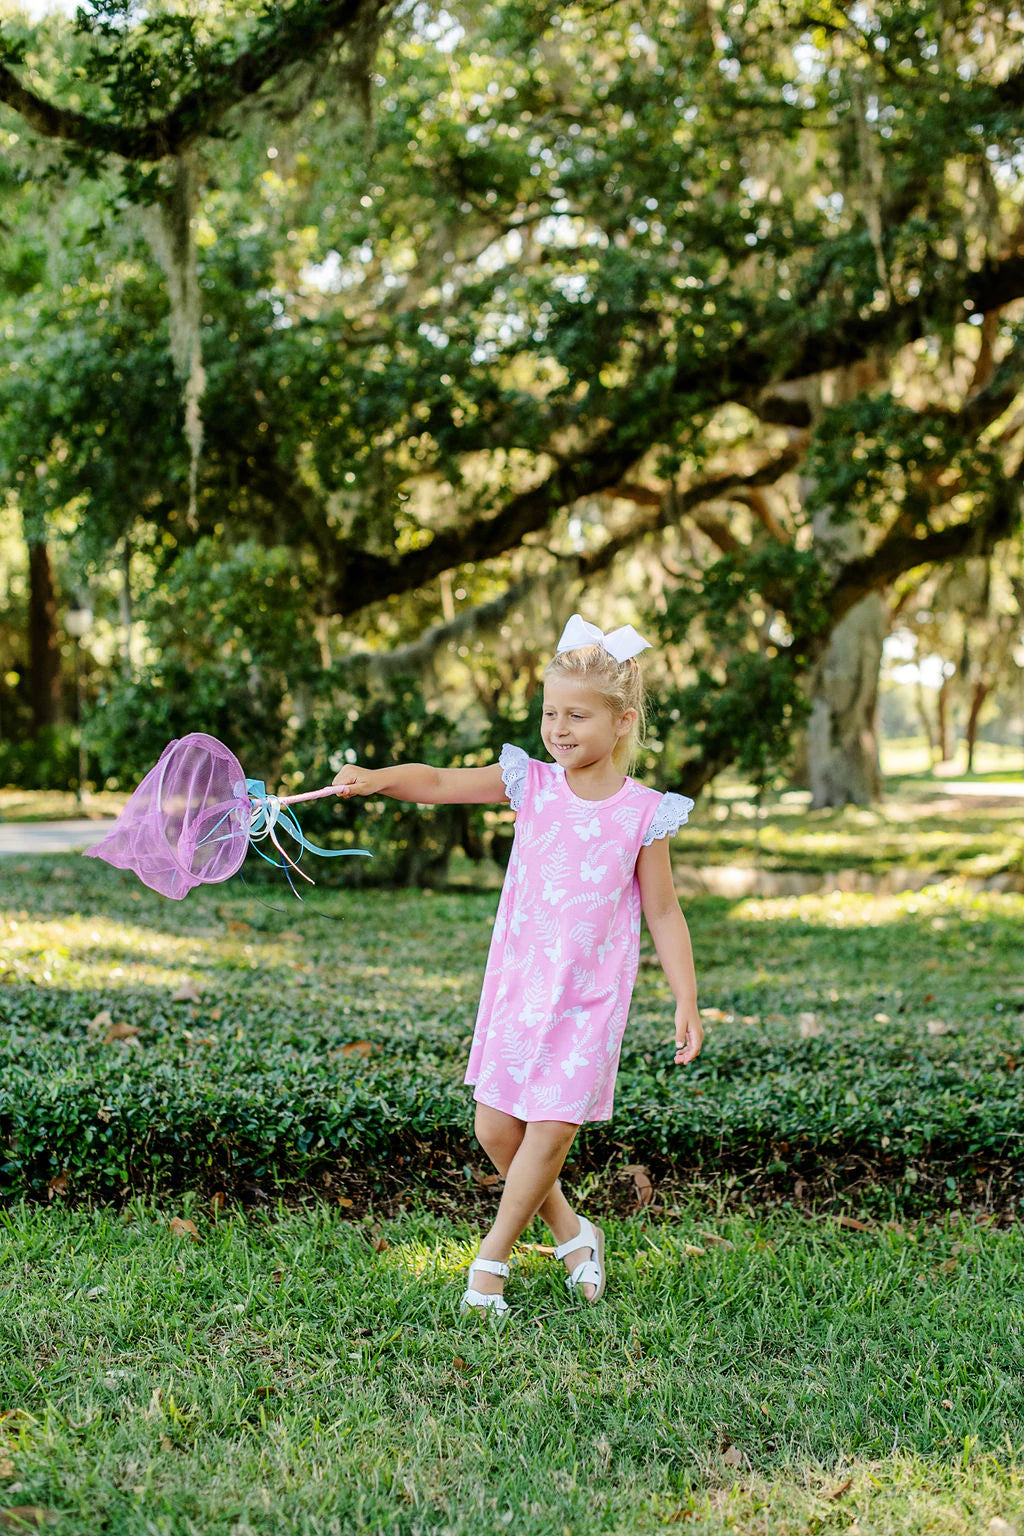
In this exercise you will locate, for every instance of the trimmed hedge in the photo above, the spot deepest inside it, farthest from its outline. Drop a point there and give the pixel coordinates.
(281, 1116)
(339, 1048)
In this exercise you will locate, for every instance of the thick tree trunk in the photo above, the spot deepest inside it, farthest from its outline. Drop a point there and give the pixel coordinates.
(43, 649)
(842, 743)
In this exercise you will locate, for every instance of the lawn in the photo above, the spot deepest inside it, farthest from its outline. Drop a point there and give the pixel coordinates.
(299, 1372)
(813, 1321)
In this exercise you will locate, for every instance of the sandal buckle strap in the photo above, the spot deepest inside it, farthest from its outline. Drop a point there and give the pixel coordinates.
(490, 1267)
(585, 1238)
(587, 1273)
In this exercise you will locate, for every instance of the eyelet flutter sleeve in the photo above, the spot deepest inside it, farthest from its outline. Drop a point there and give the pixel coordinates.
(514, 763)
(672, 813)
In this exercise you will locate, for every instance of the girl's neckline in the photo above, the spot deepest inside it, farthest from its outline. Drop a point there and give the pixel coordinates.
(605, 800)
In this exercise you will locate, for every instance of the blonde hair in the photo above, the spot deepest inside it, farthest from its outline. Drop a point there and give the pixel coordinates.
(621, 686)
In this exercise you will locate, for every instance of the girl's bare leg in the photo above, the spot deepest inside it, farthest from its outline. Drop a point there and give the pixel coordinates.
(530, 1156)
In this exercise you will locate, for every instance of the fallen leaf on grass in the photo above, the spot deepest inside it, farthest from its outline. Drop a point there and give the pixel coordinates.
(692, 1251)
(126, 1032)
(642, 1186)
(57, 1188)
(853, 1224)
(716, 1015)
(218, 1200)
(234, 926)
(460, 1364)
(6, 1467)
(188, 992)
(357, 1048)
(938, 1027)
(184, 1228)
(277, 1277)
(484, 1180)
(837, 1493)
(809, 1026)
(343, 1200)
(378, 1242)
(102, 1020)
(733, 1456)
(947, 1402)
(713, 1237)
(265, 1392)
(1000, 1527)
(20, 1516)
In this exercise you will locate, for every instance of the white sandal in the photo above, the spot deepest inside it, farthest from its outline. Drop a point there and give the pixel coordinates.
(590, 1271)
(492, 1303)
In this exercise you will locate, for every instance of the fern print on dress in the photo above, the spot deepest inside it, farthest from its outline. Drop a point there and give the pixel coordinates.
(566, 944)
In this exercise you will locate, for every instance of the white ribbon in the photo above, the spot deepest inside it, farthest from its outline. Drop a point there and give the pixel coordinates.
(621, 643)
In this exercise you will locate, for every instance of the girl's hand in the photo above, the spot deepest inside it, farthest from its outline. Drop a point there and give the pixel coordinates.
(689, 1035)
(353, 780)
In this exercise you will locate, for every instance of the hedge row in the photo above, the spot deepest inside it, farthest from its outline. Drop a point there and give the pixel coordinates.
(281, 1118)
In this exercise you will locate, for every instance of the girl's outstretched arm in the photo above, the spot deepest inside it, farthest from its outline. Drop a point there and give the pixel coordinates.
(672, 941)
(424, 784)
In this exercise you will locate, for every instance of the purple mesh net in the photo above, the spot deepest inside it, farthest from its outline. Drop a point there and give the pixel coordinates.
(187, 824)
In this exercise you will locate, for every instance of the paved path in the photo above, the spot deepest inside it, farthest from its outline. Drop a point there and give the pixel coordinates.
(977, 787)
(51, 836)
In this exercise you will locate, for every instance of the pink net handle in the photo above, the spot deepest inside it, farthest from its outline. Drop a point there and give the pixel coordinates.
(310, 794)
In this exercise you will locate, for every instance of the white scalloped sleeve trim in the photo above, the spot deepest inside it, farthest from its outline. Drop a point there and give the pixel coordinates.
(672, 813)
(514, 763)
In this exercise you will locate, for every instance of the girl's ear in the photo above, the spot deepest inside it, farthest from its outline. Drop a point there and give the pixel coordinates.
(626, 722)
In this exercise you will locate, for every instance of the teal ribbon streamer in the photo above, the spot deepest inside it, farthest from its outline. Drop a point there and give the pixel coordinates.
(268, 814)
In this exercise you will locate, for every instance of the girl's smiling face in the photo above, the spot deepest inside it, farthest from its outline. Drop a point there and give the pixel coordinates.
(577, 727)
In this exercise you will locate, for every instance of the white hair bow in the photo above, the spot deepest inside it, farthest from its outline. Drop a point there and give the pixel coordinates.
(621, 643)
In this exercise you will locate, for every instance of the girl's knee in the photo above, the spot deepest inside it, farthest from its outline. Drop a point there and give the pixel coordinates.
(552, 1136)
(494, 1128)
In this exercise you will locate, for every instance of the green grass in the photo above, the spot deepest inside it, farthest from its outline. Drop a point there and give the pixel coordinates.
(308, 1374)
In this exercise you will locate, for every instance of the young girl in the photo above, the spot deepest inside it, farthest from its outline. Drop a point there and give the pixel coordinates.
(590, 850)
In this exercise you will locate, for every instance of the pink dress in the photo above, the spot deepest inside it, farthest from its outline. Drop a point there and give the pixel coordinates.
(566, 944)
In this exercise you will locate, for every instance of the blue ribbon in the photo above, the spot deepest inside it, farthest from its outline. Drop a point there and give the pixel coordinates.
(269, 814)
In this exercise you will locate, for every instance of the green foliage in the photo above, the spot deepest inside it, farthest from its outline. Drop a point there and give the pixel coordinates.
(874, 455)
(754, 613)
(49, 760)
(312, 1044)
(411, 844)
(567, 237)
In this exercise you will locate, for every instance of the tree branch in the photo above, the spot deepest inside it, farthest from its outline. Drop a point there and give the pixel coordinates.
(902, 552)
(739, 374)
(665, 509)
(302, 32)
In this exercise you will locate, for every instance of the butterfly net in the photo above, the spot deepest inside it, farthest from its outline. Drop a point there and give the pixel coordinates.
(188, 822)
